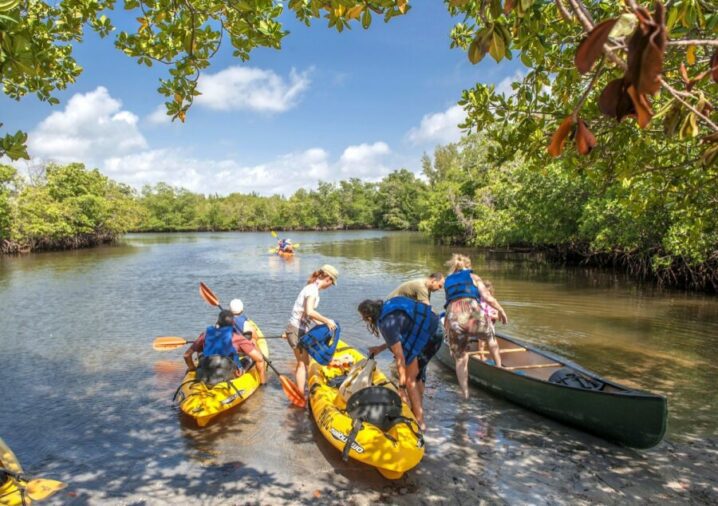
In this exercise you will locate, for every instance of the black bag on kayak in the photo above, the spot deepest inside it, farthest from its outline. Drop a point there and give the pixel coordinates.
(568, 377)
(377, 405)
(215, 369)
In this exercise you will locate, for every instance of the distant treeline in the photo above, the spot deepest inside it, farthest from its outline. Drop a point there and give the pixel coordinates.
(69, 206)
(644, 225)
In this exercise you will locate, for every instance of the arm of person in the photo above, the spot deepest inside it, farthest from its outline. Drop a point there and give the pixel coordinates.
(189, 360)
(375, 350)
(400, 367)
(314, 315)
(490, 300)
(195, 347)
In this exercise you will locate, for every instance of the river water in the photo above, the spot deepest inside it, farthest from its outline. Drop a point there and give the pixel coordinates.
(86, 398)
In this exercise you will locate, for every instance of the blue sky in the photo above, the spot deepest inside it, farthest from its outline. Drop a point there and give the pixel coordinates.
(327, 106)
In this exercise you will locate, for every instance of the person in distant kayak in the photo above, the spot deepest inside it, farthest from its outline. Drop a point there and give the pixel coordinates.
(305, 315)
(420, 289)
(466, 321)
(407, 326)
(246, 328)
(222, 340)
(285, 246)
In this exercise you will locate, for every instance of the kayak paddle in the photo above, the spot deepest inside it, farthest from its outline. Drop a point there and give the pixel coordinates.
(166, 343)
(291, 390)
(36, 489)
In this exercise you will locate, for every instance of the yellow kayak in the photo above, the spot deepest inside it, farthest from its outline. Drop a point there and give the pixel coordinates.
(394, 451)
(198, 401)
(10, 493)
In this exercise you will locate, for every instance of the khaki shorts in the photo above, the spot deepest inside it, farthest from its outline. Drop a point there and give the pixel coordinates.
(292, 335)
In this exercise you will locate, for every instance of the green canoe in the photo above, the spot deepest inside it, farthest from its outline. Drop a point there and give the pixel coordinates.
(617, 413)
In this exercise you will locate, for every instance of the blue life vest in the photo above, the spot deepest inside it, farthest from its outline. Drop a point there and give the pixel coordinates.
(282, 244)
(424, 323)
(318, 345)
(239, 322)
(460, 285)
(218, 341)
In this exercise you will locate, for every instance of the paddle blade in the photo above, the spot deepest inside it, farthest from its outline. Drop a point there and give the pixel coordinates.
(274, 234)
(291, 390)
(39, 488)
(208, 295)
(169, 343)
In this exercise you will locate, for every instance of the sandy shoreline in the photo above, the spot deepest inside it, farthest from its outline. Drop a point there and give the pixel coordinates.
(484, 451)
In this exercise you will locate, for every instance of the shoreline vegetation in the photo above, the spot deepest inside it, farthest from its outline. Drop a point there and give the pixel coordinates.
(569, 217)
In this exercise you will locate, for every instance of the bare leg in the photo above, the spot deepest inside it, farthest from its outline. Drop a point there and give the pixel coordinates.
(462, 373)
(411, 387)
(300, 372)
(495, 354)
(420, 386)
(259, 364)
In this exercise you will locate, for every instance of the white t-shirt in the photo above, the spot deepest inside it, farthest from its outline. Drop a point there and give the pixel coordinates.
(298, 318)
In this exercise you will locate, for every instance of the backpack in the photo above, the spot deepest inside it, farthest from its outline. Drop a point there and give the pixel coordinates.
(570, 378)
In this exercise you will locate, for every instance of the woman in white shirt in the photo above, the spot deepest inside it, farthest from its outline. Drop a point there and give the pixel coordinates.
(305, 314)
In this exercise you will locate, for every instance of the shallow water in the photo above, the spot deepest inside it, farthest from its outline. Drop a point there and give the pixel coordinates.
(86, 398)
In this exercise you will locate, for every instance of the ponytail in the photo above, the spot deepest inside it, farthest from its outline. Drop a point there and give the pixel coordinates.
(458, 262)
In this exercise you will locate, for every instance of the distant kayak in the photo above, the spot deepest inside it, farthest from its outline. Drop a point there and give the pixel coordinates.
(553, 386)
(203, 403)
(393, 449)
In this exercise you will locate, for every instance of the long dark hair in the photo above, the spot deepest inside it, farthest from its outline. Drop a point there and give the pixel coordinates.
(370, 311)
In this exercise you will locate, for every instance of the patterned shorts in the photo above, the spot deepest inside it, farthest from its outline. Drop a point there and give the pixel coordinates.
(466, 323)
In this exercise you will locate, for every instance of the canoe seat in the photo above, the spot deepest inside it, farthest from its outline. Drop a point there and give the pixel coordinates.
(533, 366)
(507, 350)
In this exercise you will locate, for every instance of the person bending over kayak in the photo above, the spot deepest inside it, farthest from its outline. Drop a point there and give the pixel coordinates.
(420, 288)
(221, 339)
(244, 327)
(466, 321)
(407, 326)
(305, 314)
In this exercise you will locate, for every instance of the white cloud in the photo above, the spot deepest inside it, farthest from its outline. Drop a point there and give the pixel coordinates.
(94, 129)
(159, 116)
(284, 174)
(505, 85)
(438, 128)
(91, 127)
(246, 88)
(364, 160)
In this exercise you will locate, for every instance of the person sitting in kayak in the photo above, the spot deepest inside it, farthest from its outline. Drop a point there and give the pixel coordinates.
(285, 246)
(244, 327)
(407, 326)
(466, 322)
(221, 339)
(305, 314)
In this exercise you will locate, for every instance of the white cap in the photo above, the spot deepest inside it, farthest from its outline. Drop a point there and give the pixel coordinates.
(236, 306)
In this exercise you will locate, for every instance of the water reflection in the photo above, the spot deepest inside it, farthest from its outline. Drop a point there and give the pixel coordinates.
(91, 401)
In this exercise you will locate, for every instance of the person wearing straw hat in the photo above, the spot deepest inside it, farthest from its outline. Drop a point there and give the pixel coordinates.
(305, 314)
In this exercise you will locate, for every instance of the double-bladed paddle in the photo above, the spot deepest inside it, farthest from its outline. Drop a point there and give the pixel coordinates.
(290, 388)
